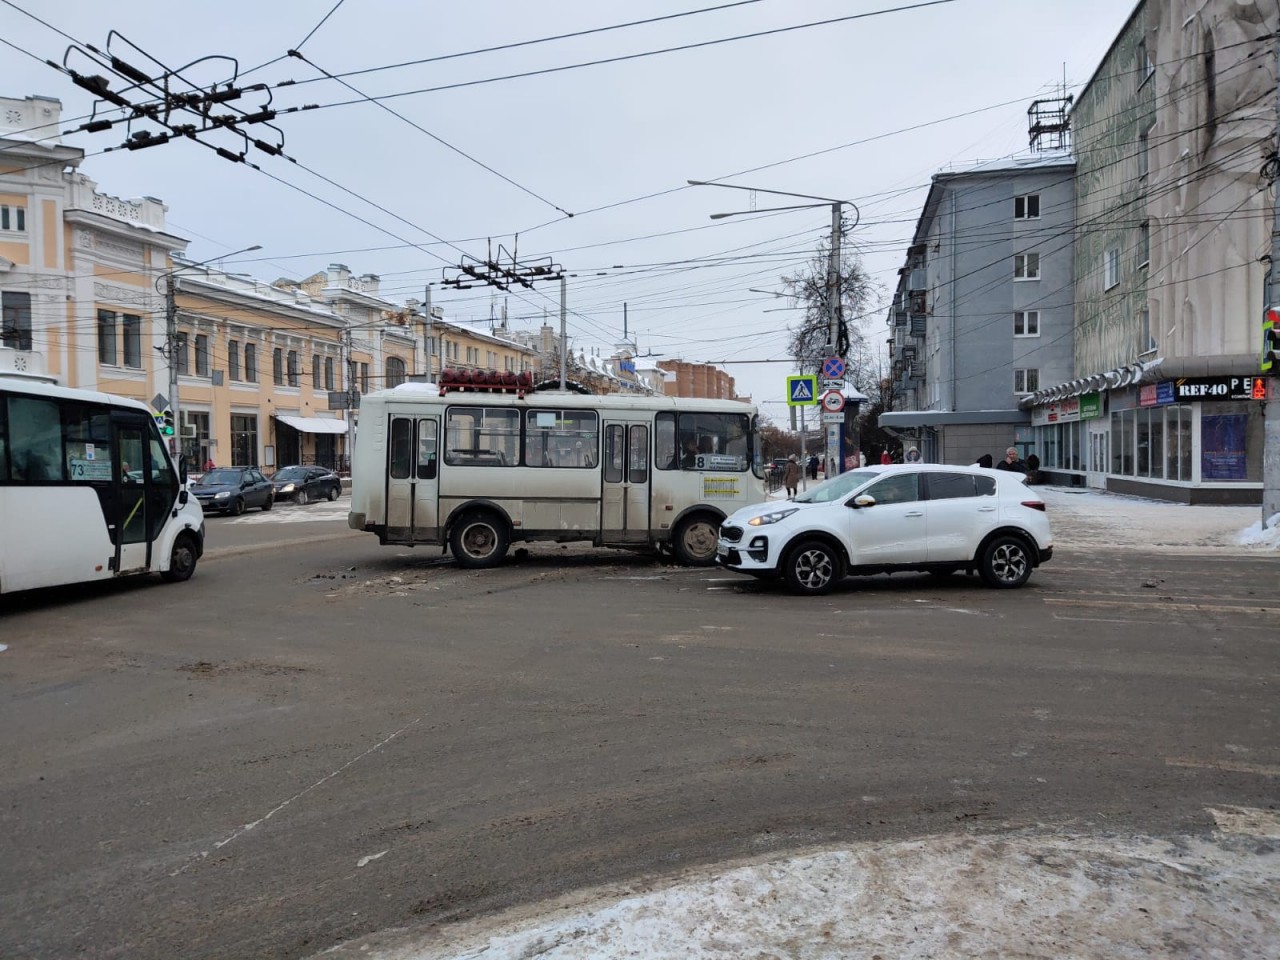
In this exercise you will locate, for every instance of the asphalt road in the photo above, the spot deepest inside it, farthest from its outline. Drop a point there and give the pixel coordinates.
(317, 738)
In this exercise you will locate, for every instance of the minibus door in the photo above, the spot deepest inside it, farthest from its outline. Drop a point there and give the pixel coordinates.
(413, 480)
(624, 513)
(129, 526)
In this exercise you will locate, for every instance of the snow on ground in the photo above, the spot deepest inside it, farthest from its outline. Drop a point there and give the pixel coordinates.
(1021, 895)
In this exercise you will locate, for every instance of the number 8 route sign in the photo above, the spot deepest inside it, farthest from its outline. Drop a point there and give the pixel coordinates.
(832, 401)
(833, 368)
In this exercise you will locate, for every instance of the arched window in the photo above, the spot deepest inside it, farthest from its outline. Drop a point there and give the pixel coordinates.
(395, 372)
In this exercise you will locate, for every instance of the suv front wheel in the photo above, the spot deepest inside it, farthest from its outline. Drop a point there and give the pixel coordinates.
(812, 567)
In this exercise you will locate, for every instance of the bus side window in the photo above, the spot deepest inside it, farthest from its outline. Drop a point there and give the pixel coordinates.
(664, 442)
(426, 449)
(37, 422)
(4, 443)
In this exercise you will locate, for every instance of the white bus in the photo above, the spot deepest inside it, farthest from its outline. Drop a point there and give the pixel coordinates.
(88, 490)
(479, 470)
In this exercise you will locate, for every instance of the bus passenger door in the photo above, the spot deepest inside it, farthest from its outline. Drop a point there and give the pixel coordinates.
(624, 513)
(130, 529)
(413, 480)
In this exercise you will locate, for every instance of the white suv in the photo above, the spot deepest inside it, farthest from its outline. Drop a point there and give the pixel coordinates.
(881, 519)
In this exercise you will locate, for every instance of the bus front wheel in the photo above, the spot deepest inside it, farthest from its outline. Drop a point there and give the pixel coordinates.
(182, 560)
(479, 540)
(694, 543)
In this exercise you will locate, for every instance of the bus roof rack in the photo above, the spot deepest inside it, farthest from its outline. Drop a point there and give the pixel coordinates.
(485, 381)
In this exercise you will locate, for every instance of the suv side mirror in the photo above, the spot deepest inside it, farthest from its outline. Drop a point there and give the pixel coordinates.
(862, 500)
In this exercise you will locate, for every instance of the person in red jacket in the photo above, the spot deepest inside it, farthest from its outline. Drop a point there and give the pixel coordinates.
(885, 458)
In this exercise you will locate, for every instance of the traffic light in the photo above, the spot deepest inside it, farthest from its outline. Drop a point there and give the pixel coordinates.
(166, 423)
(1270, 341)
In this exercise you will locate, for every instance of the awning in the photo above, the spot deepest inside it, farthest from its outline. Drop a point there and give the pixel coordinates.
(313, 424)
(900, 419)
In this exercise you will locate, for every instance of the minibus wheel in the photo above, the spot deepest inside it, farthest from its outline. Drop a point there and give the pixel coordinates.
(479, 540)
(694, 543)
(182, 561)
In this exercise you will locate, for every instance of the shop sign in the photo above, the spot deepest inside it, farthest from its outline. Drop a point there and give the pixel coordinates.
(1220, 388)
(1090, 406)
(1156, 394)
(1057, 411)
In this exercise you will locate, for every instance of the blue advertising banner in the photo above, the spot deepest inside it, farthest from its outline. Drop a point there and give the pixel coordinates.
(1222, 447)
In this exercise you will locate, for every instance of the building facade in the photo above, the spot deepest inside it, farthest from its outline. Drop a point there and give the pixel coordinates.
(703, 380)
(1170, 132)
(982, 315)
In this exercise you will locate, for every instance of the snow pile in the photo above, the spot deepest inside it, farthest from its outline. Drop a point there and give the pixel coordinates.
(1256, 536)
(1085, 897)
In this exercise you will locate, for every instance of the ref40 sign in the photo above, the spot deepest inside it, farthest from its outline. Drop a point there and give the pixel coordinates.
(1220, 388)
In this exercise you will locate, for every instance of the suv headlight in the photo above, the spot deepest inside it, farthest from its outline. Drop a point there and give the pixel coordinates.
(772, 517)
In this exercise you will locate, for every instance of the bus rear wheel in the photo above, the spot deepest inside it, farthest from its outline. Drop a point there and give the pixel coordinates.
(694, 543)
(182, 560)
(479, 540)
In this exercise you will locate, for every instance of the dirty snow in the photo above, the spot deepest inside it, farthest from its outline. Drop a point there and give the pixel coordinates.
(1022, 895)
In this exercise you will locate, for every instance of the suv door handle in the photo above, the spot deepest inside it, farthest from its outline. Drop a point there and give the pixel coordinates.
(914, 513)
(986, 509)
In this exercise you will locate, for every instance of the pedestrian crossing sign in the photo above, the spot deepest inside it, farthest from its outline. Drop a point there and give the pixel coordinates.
(802, 390)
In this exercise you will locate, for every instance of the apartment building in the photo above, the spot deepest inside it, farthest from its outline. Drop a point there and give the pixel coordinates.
(982, 314)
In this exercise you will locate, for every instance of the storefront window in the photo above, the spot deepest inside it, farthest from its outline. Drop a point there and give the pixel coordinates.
(1231, 442)
(1142, 433)
(1157, 442)
(1184, 443)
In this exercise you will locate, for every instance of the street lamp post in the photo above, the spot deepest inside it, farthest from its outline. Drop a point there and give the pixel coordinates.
(835, 437)
(171, 338)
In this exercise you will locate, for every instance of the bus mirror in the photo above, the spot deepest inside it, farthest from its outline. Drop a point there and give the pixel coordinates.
(182, 471)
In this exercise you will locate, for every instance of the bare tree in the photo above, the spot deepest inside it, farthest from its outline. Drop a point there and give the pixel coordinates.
(809, 341)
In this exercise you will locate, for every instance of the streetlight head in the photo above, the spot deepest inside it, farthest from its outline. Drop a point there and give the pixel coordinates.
(256, 246)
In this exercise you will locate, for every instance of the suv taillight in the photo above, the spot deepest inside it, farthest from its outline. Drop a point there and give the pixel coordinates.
(1034, 505)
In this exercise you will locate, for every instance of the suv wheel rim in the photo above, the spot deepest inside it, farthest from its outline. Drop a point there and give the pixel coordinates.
(813, 569)
(1009, 563)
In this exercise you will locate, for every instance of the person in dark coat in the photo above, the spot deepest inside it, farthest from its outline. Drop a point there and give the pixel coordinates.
(984, 461)
(791, 476)
(1012, 462)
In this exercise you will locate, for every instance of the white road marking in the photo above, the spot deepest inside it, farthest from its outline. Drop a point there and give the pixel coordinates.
(301, 793)
(293, 513)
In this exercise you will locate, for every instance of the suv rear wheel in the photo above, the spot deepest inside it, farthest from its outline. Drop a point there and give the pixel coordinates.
(1006, 562)
(812, 567)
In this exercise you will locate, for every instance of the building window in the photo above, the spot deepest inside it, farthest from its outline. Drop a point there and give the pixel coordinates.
(106, 337)
(315, 370)
(250, 363)
(295, 377)
(244, 440)
(13, 218)
(233, 359)
(15, 330)
(1145, 64)
(1026, 381)
(1111, 268)
(1026, 266)
(1026, 323)
(1144, 155)
(364, 378)
(180, 355)
(1147, 343)
(202, 355)
(328, 373)
(277, 366)
(1144, 243)
(132, 331)
(395, 372)
(1210, 90)
(1027, 207)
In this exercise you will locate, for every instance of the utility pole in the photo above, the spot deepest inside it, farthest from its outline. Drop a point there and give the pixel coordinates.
(352, 396)
(171, 341)
(564, 342)
(1271, 408)
(430, 350)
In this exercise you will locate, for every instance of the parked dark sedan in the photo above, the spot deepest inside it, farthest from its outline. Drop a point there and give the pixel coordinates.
(233, 490)
(304, 484)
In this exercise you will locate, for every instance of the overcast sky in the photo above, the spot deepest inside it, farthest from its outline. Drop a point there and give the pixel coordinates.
(822, 110)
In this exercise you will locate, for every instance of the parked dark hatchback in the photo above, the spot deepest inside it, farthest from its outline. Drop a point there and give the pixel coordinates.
(233, 490)
(304, 484)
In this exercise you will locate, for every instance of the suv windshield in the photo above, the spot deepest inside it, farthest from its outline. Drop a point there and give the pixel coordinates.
(837, 487)
(220, 476)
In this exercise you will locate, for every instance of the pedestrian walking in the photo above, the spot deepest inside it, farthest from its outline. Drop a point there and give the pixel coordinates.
(791, 475)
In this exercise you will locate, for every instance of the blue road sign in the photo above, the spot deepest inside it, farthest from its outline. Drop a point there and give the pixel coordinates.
(833, 368)
(802, 390)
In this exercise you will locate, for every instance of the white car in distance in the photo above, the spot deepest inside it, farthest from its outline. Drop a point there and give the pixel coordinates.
(884, 519)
